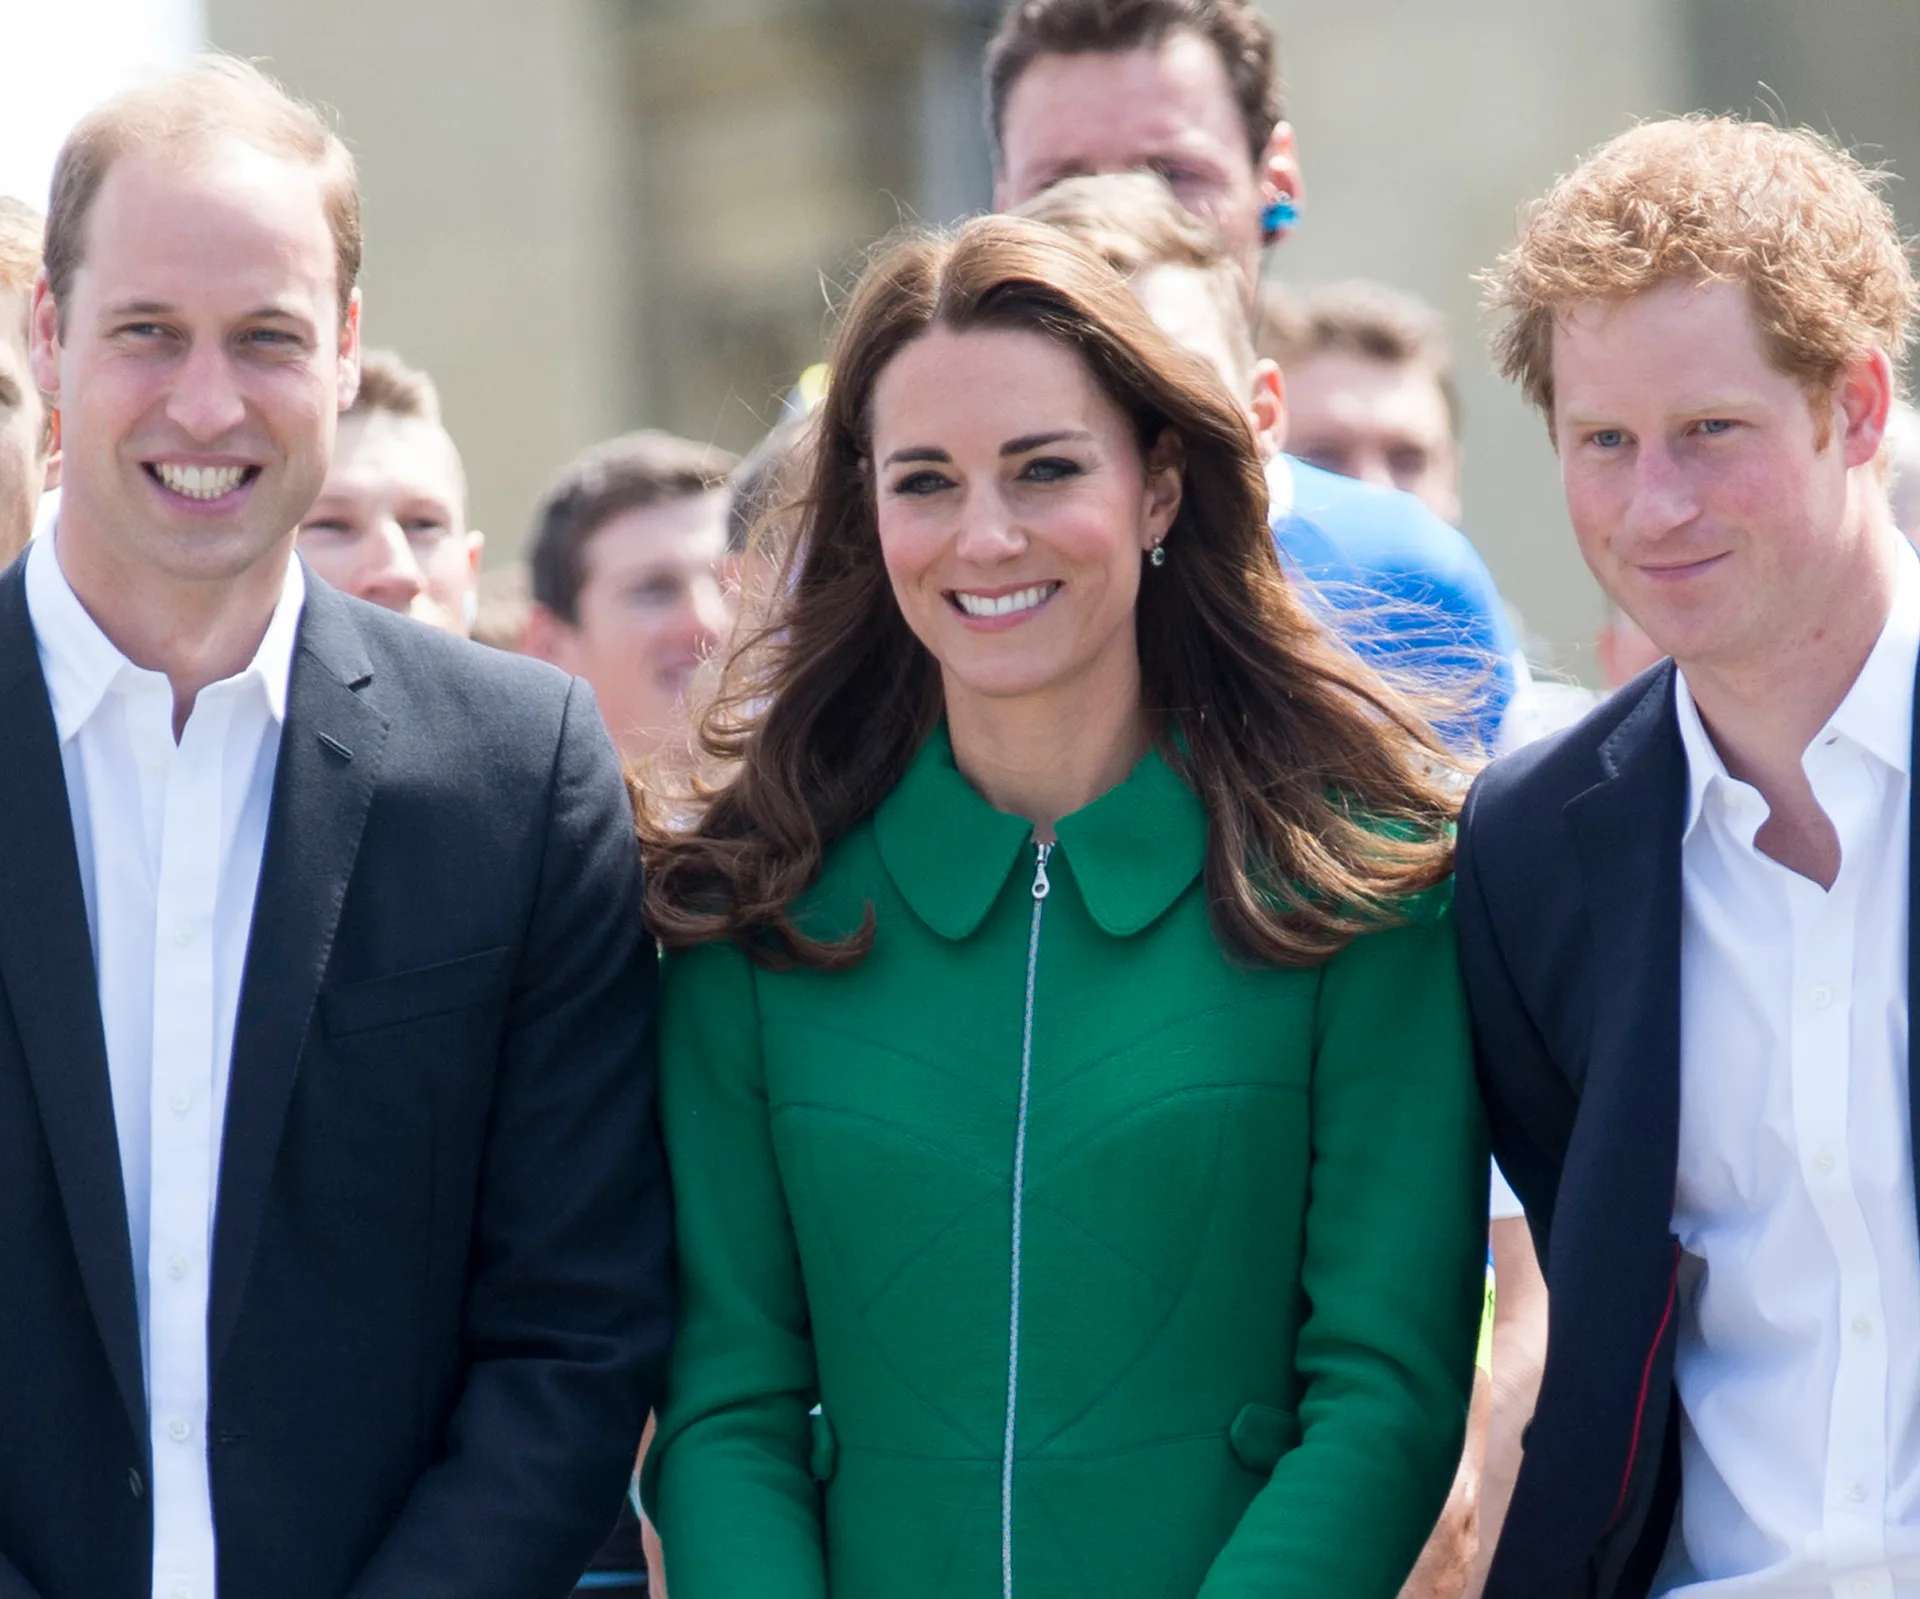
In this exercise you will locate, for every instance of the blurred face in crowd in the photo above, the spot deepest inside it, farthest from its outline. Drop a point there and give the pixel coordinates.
(1702, 493)
(25, 467)
(1167, 108)
(199, 363)
(1185, 307)
(652, 607)
(1379, 421)
(1014, 507)
(390, 523)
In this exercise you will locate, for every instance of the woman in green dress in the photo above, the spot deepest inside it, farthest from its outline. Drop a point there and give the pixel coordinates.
(1079, 1174)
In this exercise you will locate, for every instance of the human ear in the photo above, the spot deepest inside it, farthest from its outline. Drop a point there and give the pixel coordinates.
(349, 381)
(43, 342)
(1165, 468)
(1279, 172)
(1865, 400)
(1267, 409)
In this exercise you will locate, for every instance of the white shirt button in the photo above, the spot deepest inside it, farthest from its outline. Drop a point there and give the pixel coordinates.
(1862, 1586)
(177, 1267)
(183, 934)
(1822, 996)
(1823, 1164)
(181, 1593)
(179, 1431)
(1857, 1492)
(1862, 1328)
(180, 1102)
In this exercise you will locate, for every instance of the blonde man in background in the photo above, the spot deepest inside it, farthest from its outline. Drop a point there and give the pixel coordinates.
(390, 525)
(29, 457)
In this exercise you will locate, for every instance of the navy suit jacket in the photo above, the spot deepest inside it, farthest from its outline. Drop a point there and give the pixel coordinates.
(1568, 898)
(439, 1295)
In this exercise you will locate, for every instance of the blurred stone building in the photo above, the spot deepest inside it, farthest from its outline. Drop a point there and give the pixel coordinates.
(586, 215)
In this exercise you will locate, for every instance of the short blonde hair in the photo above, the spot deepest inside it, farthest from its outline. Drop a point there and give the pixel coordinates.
(1360, 317)
(1132, 221)
(1784, 211)
(390, 387)
(21, 230)
(211, 97)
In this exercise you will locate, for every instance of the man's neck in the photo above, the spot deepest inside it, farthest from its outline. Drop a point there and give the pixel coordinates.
(195, 630)
(1762, 712)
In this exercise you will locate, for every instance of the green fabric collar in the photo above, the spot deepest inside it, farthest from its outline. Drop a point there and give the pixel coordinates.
(1132, 851)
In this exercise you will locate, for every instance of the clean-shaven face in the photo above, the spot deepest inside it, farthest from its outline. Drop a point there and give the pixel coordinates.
(1014, 507)
(390, 524)
(199, 363)
(653, 605)
(1167, 108)
(1702, 498)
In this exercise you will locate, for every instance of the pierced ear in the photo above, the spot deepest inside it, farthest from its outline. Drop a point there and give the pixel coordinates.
(1165, 473)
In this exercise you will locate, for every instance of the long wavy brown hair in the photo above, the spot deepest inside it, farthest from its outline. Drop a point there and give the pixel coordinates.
(1329, 801)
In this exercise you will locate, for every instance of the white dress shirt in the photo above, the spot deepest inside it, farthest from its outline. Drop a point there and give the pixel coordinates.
(1798, 1353)
(169, 837)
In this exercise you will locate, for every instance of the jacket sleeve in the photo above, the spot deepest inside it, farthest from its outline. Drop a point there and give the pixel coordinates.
(1394, 1272)
(1529, 1105)
(728, 1480)
(567, 1313)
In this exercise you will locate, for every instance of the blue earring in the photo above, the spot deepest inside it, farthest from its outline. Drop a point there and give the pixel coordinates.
(1278, 217)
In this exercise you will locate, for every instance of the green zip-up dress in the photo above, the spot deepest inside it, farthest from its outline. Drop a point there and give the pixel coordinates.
(1116, 1268)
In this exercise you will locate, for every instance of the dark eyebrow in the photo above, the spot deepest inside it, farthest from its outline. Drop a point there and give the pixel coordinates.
(277, 313)
(919, 452)
(1037, 441)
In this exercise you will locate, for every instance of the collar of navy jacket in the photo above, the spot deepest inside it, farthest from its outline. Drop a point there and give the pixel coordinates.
(1601, 1421)
(329, 763)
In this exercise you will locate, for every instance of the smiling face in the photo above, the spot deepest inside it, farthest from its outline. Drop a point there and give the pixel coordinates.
(1167, 108)
(390, 523)
(199, 364)
(1701, 493)
(1014, 509)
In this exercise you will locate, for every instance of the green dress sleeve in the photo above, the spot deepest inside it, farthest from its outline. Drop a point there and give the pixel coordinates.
(727, 1480)
(1394, 1274)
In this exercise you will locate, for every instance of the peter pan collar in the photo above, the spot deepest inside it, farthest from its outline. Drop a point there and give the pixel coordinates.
(1131, 853)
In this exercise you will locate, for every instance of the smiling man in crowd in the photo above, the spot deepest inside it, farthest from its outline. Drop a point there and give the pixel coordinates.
(1685, 923)
(336, 1236)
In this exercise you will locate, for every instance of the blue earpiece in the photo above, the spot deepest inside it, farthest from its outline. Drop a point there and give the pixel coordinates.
(1277, 218)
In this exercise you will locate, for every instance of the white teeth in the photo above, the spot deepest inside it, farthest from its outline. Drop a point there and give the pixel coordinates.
(199, 482)
(1004, 604)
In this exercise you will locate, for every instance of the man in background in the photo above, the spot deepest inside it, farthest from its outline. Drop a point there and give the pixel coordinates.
(1189, 90)
(626, 557)
(1371, 391)
(1903, 468)
(29, 463)
(390, 525)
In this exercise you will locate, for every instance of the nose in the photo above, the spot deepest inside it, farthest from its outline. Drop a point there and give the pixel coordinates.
(389, 576)
(204, 401)
(1370, 466)
(988, 532)
(1662, 497)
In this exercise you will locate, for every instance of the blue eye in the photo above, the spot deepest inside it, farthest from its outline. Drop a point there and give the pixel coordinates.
(1050, 469)
(1714, 426)
(1608, 438)
(920, 483)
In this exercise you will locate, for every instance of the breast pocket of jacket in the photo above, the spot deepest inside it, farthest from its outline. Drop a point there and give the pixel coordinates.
(444, 991)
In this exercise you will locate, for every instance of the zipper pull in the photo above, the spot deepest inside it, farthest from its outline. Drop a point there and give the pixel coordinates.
(1040, 883)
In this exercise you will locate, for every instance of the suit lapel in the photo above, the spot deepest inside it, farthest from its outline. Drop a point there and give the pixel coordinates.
(1613, 1218)
(46, 964)
(330, 755)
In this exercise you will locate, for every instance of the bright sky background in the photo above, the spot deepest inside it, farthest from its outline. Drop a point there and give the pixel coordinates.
(66, 57)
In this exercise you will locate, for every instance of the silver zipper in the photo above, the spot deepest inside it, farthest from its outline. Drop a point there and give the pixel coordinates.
(1040, 890)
